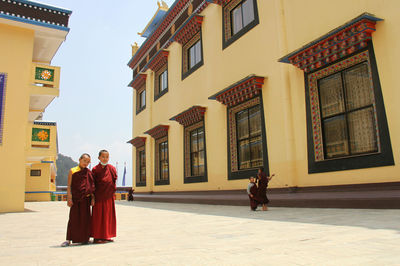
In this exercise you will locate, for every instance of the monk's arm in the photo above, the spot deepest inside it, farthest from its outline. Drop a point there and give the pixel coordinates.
(270, 177)
(69, 194)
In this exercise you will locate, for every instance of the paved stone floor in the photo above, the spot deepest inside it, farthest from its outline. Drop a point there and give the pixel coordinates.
(185, 234)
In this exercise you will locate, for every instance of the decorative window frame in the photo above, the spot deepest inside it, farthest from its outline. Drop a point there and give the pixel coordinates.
(140, 183)
(159, 64)
(185, 55)
(192, 119)
(157, 180)
(233, 167)
(316, 161)
(341, 48)
(241, 95)
(188, 178)
(139, 109)
(160, 134)
(157, 92)
(3, 83)
(140, 145)
(139, 84)
(187, 35)
(227, 7)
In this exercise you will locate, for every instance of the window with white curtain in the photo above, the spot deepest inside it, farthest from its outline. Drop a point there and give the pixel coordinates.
(194, 54)
(242, 15)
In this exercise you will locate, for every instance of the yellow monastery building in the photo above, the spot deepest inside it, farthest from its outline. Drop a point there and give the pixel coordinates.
(30, 34)
(306, 89)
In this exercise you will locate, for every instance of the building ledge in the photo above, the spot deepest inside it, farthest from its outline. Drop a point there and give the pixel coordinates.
(366, 196)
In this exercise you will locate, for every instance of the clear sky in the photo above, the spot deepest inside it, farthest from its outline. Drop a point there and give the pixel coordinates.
(94, 110)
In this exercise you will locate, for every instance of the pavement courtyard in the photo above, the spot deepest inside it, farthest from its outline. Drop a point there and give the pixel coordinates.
(188, 234)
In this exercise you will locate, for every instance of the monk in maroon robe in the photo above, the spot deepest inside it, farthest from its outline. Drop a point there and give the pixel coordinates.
(104, 225)
(252, 192)
(263, 181)
(80, 198)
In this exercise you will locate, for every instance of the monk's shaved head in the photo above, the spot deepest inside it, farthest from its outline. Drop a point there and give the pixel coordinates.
(84, 155)
(100, 152)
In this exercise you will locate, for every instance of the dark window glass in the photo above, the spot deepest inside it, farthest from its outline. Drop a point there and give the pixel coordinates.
(142, 97)
(197, 152)
(347, 111)
(36, 172)
(163, 149)
(142, 166)
(163, 81)
(194, 54)
(249, 137)
(242, 15)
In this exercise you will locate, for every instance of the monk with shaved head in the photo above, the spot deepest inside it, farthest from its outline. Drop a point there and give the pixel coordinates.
(80, 197)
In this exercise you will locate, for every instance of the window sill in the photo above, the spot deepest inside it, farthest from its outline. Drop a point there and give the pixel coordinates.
(140, 110)
(141, 184)
(158, 96)
(243, 174)
(351, 163)
(239, 34)
(193, 69)
(161, 182)
(195, 179)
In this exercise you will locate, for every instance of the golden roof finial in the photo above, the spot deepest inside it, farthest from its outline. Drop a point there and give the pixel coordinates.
(162, 5)
(135, 47)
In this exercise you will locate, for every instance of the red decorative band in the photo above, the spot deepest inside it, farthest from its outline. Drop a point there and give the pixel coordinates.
(159, 60)
(241, 91)
(189, 29)
(334, 46)
(190, 116)
(138, 82)
(158, 131)
(221, 2)
(138, 142)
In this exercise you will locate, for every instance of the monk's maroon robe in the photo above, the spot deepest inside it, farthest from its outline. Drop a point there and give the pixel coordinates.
(79, 224)
(262, 188)
(104, 224)
(253, 200)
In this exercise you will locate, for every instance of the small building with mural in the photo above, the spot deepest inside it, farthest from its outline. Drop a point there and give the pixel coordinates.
(31, 34)
(307, 91)
(41, 159)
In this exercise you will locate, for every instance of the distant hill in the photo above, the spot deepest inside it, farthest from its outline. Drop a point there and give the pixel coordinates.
(64, 164)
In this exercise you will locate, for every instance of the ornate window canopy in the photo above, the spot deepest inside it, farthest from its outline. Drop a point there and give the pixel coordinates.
(159, 60)
(158, 131)
(340, 42)
(138, 141)
(188, 29)
(190, 116)
(239, 92)
(138, 82)
(221, 2)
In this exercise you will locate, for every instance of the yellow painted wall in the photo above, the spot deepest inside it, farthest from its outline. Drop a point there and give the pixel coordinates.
(285, 25)
(38, 183)
(48, 154)
(42, 183)
(16, 58)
